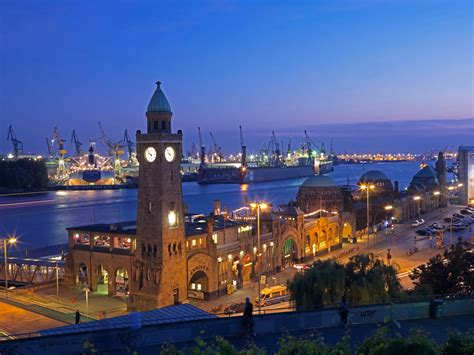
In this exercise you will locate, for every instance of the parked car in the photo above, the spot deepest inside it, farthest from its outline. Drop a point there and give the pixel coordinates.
(459, 216)
(418, 222)
(465, 212)
(423, 232)
(234, 308)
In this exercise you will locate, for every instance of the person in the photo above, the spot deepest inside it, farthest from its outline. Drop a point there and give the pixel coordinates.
(344, 311)
(247, 318)
(78, 317)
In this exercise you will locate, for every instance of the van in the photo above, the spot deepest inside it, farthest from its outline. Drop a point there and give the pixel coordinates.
(273, 295)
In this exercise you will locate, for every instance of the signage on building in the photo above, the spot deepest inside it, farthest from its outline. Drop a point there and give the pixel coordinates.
(244, 229)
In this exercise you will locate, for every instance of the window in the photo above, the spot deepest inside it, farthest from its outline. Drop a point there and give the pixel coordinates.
(122, 242)
(102, 241)
(193, 243)
(214, 238)
(81, 239)
(155, 125)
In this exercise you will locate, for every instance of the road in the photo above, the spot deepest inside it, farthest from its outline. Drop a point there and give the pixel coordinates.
(15, 320)
(400, 241)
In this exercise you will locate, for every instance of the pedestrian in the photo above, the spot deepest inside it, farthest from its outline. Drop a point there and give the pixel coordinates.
(344, 311)
(78, 317)
(247, 318)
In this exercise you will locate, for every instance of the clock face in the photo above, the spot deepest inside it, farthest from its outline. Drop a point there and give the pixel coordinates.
(169, 154)
(150, 154)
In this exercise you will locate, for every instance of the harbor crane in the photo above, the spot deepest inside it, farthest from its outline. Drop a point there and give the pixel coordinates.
(243, 158)
(132, 155)
(61, 172)
(202, 155)
(288, 153)
(16, 143)
(77, 143)
(276, 153)
(216, 153)
(115, 149)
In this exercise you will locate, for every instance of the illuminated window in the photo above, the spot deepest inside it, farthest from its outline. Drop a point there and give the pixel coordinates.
(172, 219)
(214, 238)
(102, 241)
(193, 242)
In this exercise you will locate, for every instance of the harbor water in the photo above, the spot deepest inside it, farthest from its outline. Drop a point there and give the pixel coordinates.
(41, 219)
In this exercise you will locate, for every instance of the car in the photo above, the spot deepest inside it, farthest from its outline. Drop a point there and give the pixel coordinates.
(301, 267)
(465, 212)
(418, 222)
(459, 216)
(423, 232)
(448, 220)
(234, 308)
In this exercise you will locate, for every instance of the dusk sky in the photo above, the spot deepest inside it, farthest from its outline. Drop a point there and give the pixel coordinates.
(324, 66)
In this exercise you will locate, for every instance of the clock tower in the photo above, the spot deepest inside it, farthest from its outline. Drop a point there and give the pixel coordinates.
(159, 270)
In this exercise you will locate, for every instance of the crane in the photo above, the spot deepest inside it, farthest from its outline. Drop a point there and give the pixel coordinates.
(202, 154)
(288, 153)
(115, 149)
(243, 161)
(51, 152)
(16, 143)
(130, 145)
(61, 173)
(217, 151)
(276, 152)
(77, 143)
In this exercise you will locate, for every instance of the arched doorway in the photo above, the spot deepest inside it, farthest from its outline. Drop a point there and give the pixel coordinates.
(289, 253)
(82, 277)
(102, 280)
(198, 285)
(246, 268)
(121, 282)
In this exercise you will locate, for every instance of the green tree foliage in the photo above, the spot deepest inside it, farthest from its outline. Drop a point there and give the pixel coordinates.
(369, 280)
(386, 342)
(322, 284)
(449, 273)
(23, 174)
(364, 279)
(459, 343)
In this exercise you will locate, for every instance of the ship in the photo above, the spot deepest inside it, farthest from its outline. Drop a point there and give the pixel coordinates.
(274, 167)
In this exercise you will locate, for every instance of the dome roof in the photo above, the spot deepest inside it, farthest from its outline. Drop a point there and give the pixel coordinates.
(158, 102)
(319, 181)
(373, 175)
(427, 172)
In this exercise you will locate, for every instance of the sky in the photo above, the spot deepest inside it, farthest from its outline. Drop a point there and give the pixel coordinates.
(373, 75)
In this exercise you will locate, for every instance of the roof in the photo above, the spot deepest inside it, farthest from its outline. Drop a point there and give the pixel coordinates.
(426, 172)
(165, 315)
(159, 102)
(319, 181)
(373, 175)
(194, 225)
(291, 211)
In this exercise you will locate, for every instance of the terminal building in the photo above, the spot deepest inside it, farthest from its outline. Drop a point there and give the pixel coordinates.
(168, 255)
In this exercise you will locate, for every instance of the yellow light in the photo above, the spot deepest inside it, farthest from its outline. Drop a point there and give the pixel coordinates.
(372, 187)
(253, 205)
(436, 193)
(460, 185)
(416, 198)
(263, 206)
(219, 259)
(388, 208)
(172, 220)
(12, 240)
(451, 188)
(363, 187)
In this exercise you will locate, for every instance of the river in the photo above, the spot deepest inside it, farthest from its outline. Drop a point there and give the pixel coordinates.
(41, 219)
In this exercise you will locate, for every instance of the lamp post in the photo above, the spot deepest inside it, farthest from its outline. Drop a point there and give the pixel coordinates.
(11, 240)
(259, 206)
(418, 198)
(368, 188)
(385, 208)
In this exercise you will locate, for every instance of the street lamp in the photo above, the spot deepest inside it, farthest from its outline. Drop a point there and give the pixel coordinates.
(259, 206)
(11, 241)
(368, 188)
(418, 198)
(385, 208)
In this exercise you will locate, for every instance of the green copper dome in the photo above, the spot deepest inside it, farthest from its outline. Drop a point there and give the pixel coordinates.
(158, 102)
(319, 181)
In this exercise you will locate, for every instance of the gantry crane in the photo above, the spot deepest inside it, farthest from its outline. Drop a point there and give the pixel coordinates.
(77, 143)
(132, 155)
(202, 155)
(216, 153)
(61, 173)
(17, 144)
(115, 149)
(244, 150)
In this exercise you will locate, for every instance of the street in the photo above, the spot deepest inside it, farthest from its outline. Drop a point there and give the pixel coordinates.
(400, 241)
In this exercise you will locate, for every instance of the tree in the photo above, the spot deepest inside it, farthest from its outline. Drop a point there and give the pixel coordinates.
(449, 273)
(369, 280)
(322, 284)
(364, 279)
